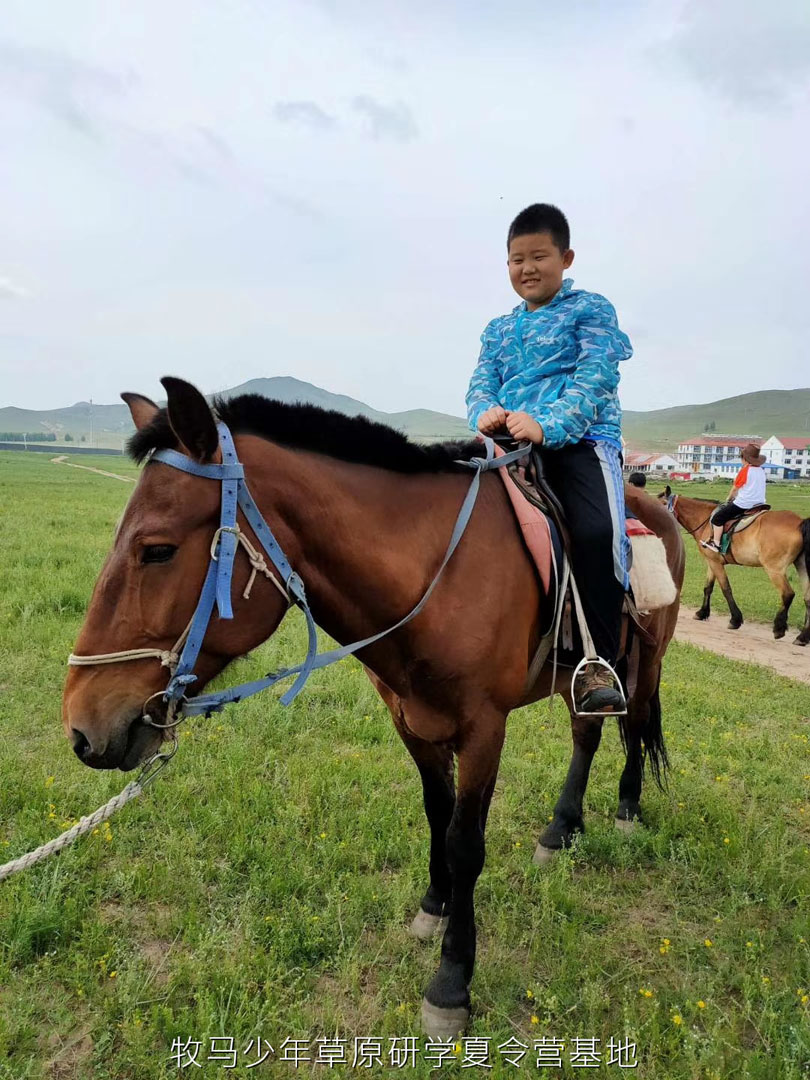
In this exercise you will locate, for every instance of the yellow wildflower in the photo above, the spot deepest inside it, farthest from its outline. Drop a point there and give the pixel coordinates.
(708, 943)
(677, 1019)
(529, 995)
(535, 1020)
(701, 1004)
(49, 781)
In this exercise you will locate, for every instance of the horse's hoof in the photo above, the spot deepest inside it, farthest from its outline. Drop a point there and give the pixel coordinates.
(734, 625)
(799, 641)
(443, 1024)
(626, 825)
(701, 616)
(779, 634)
(426, 926)
(544, 855)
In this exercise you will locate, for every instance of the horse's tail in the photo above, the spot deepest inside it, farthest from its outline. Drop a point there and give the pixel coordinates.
(652, 738)
(805, 531)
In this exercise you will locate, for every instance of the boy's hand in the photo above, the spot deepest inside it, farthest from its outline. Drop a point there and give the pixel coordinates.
(522, 427)
(492, 420)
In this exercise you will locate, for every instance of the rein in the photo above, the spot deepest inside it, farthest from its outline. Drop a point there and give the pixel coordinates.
(691, 532)
(182, 657)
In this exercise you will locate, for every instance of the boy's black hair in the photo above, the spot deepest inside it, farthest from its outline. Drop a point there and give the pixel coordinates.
(637, 479)
(539, 218)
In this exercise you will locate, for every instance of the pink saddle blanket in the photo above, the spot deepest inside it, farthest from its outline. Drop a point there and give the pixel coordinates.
(534, 525)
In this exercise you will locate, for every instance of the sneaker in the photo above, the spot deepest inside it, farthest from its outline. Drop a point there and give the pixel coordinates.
(710, 544)
(597, 691)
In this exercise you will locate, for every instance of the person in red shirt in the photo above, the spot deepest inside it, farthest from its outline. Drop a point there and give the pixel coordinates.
(747, 491)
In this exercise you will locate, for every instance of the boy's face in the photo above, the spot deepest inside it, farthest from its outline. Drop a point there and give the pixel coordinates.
(536, 268)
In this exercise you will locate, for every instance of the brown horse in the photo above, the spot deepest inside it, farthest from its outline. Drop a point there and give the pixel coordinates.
(774, 541)
(363, 516)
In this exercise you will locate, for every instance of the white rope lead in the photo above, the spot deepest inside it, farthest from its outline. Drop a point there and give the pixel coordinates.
(148, 773)
(87, 824)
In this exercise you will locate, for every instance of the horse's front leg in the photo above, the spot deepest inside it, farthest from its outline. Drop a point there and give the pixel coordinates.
(704, 610)
(446, 1004)
(435, 764)
(567, 819)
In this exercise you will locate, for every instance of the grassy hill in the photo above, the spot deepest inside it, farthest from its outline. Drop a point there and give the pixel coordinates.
(111, 424)
(765, 413)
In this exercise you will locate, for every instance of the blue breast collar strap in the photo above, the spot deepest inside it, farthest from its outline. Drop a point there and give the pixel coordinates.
(216, 588)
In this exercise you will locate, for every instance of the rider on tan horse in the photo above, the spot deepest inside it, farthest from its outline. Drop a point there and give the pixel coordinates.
(747, 492)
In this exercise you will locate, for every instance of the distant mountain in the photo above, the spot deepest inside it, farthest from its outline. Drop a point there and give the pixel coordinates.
(764, 413)
(112, 423)
(767, 412)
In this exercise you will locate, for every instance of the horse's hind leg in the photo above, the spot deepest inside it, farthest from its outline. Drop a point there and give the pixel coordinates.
(781, 583)
(704, 610)
(736, 620)
(804, 581)
(567, 819)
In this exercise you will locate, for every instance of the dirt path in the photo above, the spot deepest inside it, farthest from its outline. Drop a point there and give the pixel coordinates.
(88, 468)
(753, 643)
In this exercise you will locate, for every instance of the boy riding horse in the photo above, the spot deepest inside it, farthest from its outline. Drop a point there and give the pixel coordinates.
(747, 491)
(548, 373)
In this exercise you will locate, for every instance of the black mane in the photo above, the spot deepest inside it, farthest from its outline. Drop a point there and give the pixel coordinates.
(321, 431)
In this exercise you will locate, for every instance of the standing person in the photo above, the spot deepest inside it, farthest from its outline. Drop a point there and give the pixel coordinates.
(747, 491)
(548, 372)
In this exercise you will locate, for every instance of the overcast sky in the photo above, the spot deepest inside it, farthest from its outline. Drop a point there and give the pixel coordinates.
(247, 188)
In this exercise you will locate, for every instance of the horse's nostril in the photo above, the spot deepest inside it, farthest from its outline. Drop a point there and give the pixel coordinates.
(81, 745)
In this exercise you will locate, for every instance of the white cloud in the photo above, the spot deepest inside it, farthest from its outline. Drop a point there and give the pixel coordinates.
(747, 50)
(307, 113)
(10, 290)
(386, 121)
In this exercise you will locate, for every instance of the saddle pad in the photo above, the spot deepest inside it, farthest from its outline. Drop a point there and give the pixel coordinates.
(534, 525)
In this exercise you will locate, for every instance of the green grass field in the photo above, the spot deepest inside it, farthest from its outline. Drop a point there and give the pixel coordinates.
(263, 885)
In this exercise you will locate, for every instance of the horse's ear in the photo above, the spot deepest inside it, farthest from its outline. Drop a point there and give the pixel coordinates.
(191, 419)
(142, 409)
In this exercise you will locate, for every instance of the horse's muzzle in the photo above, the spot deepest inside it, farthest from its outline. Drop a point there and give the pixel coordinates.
(124, 749)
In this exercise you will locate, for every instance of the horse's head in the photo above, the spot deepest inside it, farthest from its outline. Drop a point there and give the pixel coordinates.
(148, 589)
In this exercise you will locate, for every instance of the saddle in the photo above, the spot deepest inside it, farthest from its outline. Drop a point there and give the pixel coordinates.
(545, 534)
(748, 518)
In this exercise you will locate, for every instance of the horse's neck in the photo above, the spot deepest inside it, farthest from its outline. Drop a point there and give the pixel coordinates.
(365, 541)
(693, 512)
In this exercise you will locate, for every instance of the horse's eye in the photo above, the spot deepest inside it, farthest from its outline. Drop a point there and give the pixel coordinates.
(153, 553)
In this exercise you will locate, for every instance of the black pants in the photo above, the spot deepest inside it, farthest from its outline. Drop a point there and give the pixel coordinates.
(589, 487)
(726, 512)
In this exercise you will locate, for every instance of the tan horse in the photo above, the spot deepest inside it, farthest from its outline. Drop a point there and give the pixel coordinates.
(774, 541)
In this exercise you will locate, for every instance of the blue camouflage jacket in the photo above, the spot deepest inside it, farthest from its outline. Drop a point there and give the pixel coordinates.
(560, 364)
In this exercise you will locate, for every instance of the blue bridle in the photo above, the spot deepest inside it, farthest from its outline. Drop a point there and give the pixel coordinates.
(217, 585)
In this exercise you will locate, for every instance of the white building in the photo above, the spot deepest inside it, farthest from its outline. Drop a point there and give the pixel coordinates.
(714, 455)
(651, 464)
(791, 456)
